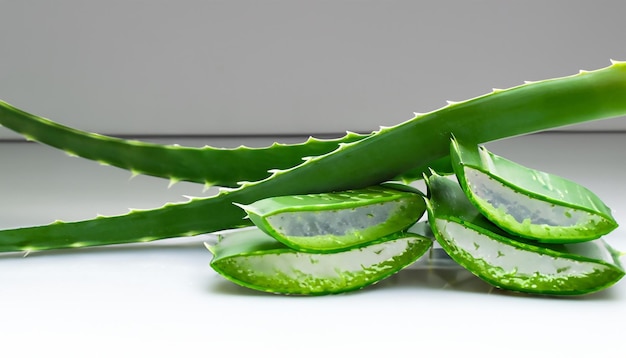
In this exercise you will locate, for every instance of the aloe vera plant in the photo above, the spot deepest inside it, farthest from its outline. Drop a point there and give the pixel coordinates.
(347, 163)
(510, 262)
(527, 202)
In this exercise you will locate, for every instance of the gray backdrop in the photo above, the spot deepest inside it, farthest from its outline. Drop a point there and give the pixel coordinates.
(286, 66)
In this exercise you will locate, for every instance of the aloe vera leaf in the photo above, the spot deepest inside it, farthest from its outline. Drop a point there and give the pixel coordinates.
(381, 156)
(251, 258)
(510, 262)
(528, 202)
(207, 165)
(330, 222)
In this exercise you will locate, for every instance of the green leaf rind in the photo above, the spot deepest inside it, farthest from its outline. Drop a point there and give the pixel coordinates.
(527, 202)
(332, 222)
(510, 262)
(252, 259)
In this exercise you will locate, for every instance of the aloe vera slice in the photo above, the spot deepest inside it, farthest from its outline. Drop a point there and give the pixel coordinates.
(527, 202)
(251, 258)
(332, 222)
(513, 263)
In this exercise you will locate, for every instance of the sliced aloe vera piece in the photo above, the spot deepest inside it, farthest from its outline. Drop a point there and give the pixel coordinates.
(527, 202)
(513, 263)
(332, 222)
(251, 258)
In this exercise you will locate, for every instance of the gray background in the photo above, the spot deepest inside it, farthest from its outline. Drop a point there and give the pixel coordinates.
(286, 66)
(235, 67)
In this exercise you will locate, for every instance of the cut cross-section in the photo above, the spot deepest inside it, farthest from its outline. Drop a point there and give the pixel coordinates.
(332, 222)
(251, 258)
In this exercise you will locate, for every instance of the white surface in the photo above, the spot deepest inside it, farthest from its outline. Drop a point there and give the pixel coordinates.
(286, 66)
(162, 299)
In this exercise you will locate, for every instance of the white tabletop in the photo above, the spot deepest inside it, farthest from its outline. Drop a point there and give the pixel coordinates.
(163, 299)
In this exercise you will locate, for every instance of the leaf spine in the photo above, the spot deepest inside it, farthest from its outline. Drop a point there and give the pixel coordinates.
(225, 190)
(244, 208)
(172, 182)
(383, 128)
(277, 172)
(29, 249)
(244, 183)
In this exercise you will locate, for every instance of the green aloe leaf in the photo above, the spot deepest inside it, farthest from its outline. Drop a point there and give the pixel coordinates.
(251, 258)
(382, 156)
(510, 262)
(527, 202)
(331, 222)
